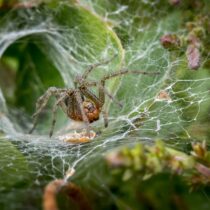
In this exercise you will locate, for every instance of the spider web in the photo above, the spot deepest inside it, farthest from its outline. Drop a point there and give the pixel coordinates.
(168, 106)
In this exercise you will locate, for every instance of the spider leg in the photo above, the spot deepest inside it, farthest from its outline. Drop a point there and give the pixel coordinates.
(80, 103)
(105, 91)
(88, 70)
(55, 107)
(34, 125)
(105, 116)
(126, 71)
(99, 101)
(88, 94)
(42, 102)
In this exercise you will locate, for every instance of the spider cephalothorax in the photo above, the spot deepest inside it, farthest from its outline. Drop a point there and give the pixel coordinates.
(80, 103)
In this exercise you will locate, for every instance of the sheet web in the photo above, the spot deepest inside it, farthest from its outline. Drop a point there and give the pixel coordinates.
(167, 106)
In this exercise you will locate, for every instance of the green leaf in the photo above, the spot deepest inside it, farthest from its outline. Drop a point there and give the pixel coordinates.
(35, 74)
(14, 170)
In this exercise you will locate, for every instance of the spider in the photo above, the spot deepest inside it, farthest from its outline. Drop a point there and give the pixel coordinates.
(80, 103)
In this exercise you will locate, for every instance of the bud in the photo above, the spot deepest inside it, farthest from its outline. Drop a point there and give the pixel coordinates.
(199, 149)
(170, 41)
(193, 57)
(174, 2)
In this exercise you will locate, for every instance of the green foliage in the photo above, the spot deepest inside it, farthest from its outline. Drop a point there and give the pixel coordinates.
(157, 176)
(35, 74)
(148, 161)
(14, 167)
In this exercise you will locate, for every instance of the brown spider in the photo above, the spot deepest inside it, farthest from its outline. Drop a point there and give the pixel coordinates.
(80, 104)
